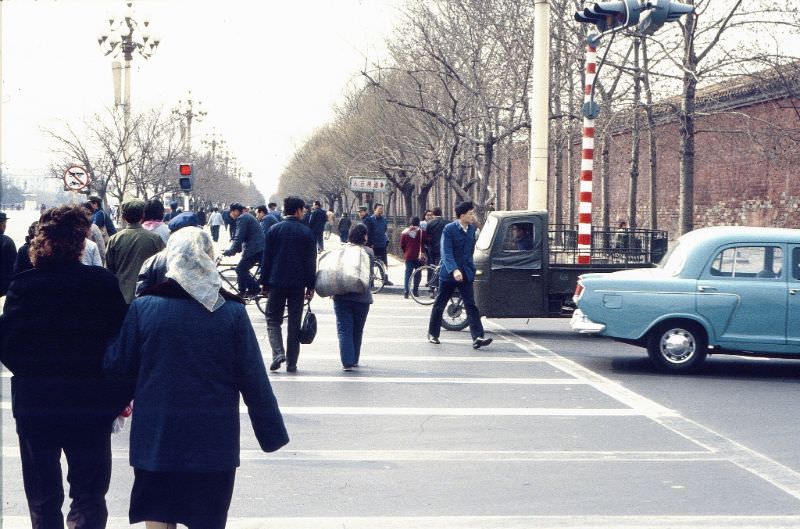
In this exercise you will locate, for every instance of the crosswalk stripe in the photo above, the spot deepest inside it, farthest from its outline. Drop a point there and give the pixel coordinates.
(356, 379)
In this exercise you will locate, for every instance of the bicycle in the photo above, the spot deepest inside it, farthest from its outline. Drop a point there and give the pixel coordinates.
(227, 273)
(455, 314)
(427, 277)
(377, 275)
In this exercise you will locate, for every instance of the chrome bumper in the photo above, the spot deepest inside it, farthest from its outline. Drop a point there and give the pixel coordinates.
(584, 325)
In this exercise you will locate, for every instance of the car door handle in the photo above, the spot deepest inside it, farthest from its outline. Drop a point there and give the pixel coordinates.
(703, 288)
(793, 291)
(536, 275)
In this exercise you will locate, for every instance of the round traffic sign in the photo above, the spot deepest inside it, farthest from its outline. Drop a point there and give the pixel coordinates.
(76, 178)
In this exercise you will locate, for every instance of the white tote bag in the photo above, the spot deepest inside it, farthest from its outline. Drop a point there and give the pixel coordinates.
(343, 271)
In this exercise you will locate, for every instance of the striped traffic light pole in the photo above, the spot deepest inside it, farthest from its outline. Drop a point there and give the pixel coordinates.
(587, 161)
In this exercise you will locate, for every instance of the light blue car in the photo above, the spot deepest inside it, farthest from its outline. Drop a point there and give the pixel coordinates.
(729, 289)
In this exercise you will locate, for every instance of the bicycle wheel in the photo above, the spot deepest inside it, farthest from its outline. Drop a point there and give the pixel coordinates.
(455, 315)
(378, 273)
(229, 280)
(427, 277)
(261, 303)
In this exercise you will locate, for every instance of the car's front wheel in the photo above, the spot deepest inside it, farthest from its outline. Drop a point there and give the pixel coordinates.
(677, 346)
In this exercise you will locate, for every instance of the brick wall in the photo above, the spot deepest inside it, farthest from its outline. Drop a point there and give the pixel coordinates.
(745, 171)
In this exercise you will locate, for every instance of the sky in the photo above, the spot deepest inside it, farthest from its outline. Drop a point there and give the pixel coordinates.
(267, 73)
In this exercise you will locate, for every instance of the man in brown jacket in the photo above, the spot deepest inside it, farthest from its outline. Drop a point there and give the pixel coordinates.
(131, 247)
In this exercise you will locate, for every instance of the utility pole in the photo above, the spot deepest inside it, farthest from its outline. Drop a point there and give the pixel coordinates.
(539, 108)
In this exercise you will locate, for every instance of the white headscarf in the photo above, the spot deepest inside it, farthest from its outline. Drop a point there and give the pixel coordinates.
(190, 262)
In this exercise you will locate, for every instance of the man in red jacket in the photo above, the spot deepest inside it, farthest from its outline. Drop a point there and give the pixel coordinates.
(412, 243)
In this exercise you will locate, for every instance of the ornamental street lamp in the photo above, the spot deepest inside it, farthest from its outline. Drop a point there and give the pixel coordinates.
(125, 37)
(186, 111)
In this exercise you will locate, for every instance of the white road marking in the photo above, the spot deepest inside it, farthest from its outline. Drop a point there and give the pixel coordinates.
(355, 379)
(432, 359)
(483, 522)
(774, 473)
(470, 412)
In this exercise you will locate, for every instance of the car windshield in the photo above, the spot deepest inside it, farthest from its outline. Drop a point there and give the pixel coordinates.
(673, 262)
(487, 234)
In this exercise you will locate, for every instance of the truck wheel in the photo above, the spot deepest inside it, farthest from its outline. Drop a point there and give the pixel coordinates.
(677, 346)
(455, 315)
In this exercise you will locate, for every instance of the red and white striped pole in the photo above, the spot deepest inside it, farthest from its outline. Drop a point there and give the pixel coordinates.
(587, 162)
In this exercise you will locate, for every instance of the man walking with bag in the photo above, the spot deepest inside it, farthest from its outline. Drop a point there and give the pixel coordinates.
(288, 275)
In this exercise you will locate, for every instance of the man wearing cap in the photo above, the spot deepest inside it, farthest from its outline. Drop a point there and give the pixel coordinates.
(249, 239)
(101, 218)
(173, 211)
(8, 254)
(154, 269)
(130, 248)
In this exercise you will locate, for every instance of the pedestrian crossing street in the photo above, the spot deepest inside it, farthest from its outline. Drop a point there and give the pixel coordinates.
(428, 436)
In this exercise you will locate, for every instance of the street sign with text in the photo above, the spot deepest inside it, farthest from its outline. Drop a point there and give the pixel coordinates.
(369, 184)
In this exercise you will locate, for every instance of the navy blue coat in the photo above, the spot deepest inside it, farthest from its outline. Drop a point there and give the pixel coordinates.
(376, 227)
(190, 365)
(317, 221)
(249, 237)
(290, 258)
(57, 322)
(457, 248)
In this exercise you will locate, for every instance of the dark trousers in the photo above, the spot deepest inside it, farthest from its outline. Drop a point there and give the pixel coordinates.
(319, 238)
(278, 300)
(410, 267)
(89, 475)
(350, 319)
(446, 289)
(215, 232)
(380, 254)
(246, 282)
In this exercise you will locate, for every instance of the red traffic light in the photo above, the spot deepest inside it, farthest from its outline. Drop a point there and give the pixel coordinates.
(185, 169)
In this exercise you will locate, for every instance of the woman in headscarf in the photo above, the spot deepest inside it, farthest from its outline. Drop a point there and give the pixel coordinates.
(185, 427)
(61, 400)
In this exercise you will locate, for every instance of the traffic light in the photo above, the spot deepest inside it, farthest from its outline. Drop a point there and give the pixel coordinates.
(661, 12)
(611, 15)
(185, 177)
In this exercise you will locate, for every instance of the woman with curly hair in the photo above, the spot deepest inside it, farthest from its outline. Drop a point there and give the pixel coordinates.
(60, 398)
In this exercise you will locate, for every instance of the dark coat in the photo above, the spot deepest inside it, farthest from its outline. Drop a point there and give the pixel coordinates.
(55, 328)
(290, 259)
(433, 231)
(267, 222)
(186, 407)
(344, 227)
(8, 255)
(317, 221)
(249, 237)
(457, 248)
(376, 226)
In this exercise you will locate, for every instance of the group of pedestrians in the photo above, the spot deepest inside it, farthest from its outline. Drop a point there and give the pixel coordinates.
(183, 351)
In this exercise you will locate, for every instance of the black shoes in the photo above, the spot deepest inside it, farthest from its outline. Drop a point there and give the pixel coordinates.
(481, 342)
(276, 363)
(433, 339)
(388, 283)
(405, 295)
(291, 369)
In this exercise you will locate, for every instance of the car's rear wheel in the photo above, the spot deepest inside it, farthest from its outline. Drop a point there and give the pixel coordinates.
(677, 346)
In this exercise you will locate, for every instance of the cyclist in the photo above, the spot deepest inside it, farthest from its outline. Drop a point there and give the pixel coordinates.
(249, 239)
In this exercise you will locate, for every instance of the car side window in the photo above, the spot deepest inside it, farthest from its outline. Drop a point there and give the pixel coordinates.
(519, 237)
(748, 262)
(796, 263)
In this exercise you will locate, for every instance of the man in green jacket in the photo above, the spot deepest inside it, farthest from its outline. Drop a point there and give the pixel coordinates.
(129, 248)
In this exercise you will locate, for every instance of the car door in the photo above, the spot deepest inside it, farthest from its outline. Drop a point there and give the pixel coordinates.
(743, 293)
(517, 281)
(793, 300)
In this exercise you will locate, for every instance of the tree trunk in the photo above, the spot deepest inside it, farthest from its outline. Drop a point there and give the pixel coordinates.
(687, 130)
(509, 169)
(605, 168)
(651, 138)
(633, 183)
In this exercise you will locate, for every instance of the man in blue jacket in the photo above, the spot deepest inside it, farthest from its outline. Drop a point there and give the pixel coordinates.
(249, 239)
(458, 272)
(288, 275)
(376, 237)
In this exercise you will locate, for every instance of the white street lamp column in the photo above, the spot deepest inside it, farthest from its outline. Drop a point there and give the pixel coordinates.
(539, 108)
